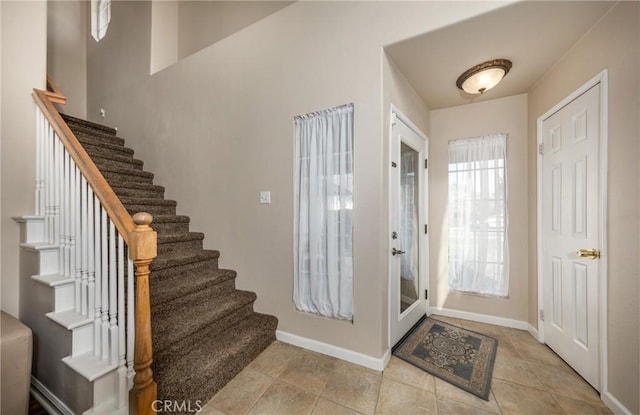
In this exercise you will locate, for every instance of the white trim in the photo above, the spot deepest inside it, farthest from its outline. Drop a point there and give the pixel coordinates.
(602, 79)
(533, 331)
(375, 363)
(50, 402)
(615, 405)
(480, 318)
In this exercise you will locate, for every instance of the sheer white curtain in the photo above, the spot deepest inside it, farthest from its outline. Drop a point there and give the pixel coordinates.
(408, 215)
(478, 250)
(100, 18)
(323, 253)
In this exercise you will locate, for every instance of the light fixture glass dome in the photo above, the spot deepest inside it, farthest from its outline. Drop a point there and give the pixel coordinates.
(483, 77)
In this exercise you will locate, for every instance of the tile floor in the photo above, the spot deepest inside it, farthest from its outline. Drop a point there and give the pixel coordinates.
(528, 378)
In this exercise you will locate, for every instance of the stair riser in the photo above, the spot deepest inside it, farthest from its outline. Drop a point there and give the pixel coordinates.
(87, 135)
(121, 164)
(96, 148)
(181, 246)
(153, 209)
(192, 267)
(163, 306)
(126, 192)
(170, 227)
(184, 344)
(104, 153)
(80, 123)
(127, 178)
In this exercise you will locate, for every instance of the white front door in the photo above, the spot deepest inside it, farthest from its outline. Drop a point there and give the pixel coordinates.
(570, 229)
(407, 222)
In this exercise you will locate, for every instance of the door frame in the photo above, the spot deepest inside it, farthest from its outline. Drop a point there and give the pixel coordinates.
(602, 79)
(395, 113)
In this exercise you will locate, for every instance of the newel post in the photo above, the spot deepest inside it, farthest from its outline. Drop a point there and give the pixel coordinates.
(143, 248)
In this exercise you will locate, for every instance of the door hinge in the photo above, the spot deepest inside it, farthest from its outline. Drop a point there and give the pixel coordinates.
(541, 149)
(426, 163)
(394, 164)
(541, 315)
(394, 119)
(426, 294)
(426, 229)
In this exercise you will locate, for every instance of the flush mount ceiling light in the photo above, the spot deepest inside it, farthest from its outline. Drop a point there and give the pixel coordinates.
(483, 77)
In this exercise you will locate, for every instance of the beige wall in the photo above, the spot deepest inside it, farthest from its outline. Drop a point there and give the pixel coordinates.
(24, 61)
(504, 115)
(612, 44)
(67, 29)
(216, 128)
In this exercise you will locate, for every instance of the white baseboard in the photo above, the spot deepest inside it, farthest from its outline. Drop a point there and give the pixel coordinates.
(481, 318)
(48, 400)
(533, 331)
(375, 363)
(615, 405)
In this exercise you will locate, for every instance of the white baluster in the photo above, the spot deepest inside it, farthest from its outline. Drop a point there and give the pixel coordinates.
(113, 296)
(78, 241)
(97, 237)
(131, 326)
(66, 216)
(49, 185)
(91, 272)
(84, 244)
(104, 241)
(39, 121)
(57, 181)
(122, 360)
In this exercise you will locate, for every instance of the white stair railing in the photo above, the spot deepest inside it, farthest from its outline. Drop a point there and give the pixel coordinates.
(97, 240)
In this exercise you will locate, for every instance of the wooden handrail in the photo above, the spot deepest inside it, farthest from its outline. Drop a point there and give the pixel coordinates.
(136, 232)
(112, 204)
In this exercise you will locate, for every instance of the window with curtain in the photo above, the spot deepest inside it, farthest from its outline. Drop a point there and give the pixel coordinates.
(478, 253)
(323, 245)
(100, 18)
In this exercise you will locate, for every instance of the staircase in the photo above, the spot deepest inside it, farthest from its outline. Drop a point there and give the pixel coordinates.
(204, 330)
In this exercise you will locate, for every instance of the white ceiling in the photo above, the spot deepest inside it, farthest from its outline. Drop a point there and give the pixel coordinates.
(532, 34)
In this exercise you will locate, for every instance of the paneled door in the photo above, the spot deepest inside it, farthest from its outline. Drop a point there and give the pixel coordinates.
(407, 220)
(571, 232)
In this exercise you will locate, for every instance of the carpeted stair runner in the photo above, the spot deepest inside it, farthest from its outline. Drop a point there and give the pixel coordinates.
(204, 330)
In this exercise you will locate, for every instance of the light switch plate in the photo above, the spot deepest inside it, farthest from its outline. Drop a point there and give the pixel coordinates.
(265, 197)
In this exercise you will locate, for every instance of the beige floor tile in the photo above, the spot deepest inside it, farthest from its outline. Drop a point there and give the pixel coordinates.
(399, 398)
(239, 395)
(482, 328)
(445, 389)
(533, 351)
(564, 381)
(524, 400)
(284, 399)
(517, 371)
(448, 406)
(353, 386)
(209, 410)
(407, 373)
(274, 359)
(450, 320)
(576, 407)
(325, 407)
(309, 371)
(506, 349)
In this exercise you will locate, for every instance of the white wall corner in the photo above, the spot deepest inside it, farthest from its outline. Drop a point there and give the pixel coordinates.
(375, 363)
(533, 331)
(615, 405)
(50, 402)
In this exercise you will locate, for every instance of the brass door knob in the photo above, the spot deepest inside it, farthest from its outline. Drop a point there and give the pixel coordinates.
(588, 253)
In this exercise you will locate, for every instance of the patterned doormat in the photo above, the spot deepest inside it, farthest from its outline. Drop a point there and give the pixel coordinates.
(462, 357)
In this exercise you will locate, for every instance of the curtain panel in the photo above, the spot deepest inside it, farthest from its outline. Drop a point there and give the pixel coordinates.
(323, 224)
(478, 249)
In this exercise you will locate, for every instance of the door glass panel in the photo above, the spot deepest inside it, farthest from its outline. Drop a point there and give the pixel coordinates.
(408, 232)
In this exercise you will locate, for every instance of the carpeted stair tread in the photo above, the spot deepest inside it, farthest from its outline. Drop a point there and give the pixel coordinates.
(202, 371)
(95, 147)
(125, 189)
(147, 201)
(166, 290)
(182, 236)
(128, 172)
(175, 259)
(121, 161)
(79, 121)
(112, 176)
(189, 316)
(180, 242)
(99, 137)
(164, 224)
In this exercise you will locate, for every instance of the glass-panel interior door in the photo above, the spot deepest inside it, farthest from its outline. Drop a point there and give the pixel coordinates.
(407, 221)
